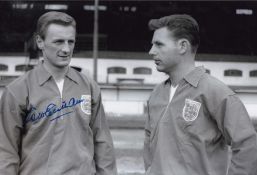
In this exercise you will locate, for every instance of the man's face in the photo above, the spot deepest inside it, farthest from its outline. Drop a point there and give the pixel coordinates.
(164, 50)
(58, 45)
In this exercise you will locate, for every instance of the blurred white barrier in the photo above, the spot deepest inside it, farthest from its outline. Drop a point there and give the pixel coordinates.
(121, 108)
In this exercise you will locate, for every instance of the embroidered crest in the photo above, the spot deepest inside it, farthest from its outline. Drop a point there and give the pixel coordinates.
(86, 104)
(191, 110)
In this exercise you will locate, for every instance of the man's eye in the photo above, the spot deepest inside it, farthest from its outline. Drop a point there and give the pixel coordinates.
(158, 44)
(58, 42)
(71, 42)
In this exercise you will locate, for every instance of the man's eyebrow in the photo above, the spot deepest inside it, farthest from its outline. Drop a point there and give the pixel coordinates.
(58, 39)
(156, 42)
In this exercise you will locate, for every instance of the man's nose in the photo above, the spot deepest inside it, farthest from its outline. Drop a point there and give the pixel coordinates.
(151, 51)
(66, 47)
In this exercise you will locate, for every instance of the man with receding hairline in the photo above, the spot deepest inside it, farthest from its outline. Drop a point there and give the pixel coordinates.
(52, 120)
(193, 118)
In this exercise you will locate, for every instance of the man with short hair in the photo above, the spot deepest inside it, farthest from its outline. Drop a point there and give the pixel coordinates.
(193, 118)
(52, 119)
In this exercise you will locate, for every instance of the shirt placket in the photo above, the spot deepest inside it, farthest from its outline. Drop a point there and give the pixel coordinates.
(58, 123)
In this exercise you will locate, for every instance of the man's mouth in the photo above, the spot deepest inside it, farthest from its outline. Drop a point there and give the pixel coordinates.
(64, 56)
(157, 62)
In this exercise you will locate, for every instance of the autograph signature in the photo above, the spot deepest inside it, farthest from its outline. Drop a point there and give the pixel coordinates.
(51, 109)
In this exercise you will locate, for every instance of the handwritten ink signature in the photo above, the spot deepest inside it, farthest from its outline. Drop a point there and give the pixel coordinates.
(51, 109)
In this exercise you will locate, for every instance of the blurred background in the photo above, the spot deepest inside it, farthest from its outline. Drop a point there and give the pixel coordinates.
(112, 46)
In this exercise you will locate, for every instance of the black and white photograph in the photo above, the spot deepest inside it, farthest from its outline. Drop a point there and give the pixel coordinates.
(128, 87)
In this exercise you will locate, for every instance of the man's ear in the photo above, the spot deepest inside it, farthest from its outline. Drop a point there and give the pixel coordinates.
(40, 42)
(183, 45)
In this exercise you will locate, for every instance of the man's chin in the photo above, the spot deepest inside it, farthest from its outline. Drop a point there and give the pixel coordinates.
(63, 64)
(159, 69)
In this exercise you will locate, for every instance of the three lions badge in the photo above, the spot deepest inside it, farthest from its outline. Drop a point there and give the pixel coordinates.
(191, 110)
(85, 105)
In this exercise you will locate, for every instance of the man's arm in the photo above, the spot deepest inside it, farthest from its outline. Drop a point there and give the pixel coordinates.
(104, 152)
(239, 132)
(10, 130)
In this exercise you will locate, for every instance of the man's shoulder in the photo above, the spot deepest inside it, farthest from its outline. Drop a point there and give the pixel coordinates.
(19, 87)
(84, 76)
(213, 88)
(85, 79)
(22, 80)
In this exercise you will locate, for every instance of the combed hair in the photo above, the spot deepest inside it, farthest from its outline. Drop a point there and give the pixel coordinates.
(53, 17)
(181, 25)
